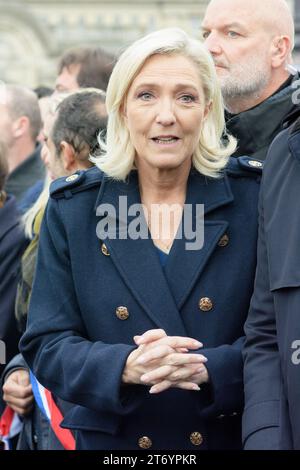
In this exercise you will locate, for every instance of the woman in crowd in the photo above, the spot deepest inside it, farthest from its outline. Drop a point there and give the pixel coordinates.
(138, 306)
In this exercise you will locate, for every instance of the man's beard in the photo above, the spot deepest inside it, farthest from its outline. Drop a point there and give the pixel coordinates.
(245, 80)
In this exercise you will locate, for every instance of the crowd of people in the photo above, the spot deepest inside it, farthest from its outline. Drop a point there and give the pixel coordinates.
(121, 331)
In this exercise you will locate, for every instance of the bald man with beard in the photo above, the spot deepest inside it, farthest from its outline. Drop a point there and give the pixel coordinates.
(251, 43)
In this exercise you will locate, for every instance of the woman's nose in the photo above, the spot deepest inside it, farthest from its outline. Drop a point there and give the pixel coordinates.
(165, 114)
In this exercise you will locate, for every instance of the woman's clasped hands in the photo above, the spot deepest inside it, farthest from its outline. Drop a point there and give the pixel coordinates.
(163, 362)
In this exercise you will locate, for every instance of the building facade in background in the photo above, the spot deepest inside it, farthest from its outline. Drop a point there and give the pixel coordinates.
(34, 33)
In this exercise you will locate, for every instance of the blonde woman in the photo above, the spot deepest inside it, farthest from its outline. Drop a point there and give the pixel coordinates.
(138, 307)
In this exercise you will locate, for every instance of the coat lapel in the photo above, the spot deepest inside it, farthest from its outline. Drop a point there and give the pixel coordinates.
(185, 266)
(160, 293)
(137, 260)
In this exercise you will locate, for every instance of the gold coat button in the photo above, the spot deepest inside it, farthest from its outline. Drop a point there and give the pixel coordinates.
(122, 313)
(205, 304)
(72, 178)
(196, 438)
(104, 250)
(145, 442)
(224, 241)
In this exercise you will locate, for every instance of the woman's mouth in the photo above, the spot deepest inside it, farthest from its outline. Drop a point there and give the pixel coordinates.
(165, 140)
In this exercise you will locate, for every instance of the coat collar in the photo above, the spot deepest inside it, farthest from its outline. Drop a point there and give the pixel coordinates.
(162, 292)
(294, 140)
(247, 128)
(211, 192)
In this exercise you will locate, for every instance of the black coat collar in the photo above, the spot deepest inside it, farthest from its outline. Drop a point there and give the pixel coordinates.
(257, 127)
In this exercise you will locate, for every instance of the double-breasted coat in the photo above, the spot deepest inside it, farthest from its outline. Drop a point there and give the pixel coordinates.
(272, 350)
(78, 337)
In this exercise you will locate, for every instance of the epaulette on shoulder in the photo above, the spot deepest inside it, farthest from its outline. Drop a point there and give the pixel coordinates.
(67, 186)
(244, 166)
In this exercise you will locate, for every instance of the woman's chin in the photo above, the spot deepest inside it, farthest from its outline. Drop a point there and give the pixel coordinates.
(167, 162)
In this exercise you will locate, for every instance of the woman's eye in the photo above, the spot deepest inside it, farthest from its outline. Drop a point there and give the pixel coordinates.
(205, 34)
(187, 98)
(145, 96)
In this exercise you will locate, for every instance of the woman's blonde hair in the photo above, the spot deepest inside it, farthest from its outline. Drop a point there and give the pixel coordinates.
(215, 146)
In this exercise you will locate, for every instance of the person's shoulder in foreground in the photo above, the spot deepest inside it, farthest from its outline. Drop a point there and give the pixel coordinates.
(244, 166)
(271, 417)
(80, 181)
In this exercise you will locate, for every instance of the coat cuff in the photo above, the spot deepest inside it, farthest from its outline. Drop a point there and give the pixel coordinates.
(261, 426)
(224, 393)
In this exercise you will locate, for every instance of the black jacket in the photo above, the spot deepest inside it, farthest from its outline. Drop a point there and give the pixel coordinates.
(272, 350)
(256, 128)
(12, 245)
(26, 175)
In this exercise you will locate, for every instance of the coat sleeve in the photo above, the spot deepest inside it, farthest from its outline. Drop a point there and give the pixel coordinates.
(16, 363)
(225, 389)
(55, 344)
(261, 358)
(11, 250)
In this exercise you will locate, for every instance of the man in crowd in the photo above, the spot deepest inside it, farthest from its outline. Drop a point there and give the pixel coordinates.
(12, 246)
(84, 67)
(20, 124)
(272, 350)
(74, 135)
(251, 43)
(68, 141)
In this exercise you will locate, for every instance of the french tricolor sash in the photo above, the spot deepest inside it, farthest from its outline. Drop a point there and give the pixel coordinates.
(50, 410)
(10, 426)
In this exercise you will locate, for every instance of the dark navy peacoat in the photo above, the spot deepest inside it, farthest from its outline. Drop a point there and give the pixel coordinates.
(272, 351)
(77, 342)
